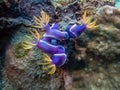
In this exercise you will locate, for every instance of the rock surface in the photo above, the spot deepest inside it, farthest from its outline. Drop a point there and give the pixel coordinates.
(96, 68)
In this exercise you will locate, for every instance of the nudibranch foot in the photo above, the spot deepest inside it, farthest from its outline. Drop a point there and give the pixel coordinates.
(89, 23)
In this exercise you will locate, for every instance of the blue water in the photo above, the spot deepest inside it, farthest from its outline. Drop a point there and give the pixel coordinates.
(117, 3)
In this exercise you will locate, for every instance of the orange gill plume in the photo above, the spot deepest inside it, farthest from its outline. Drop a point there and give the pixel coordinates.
(41, 20)
(90, 24)
(47, 64)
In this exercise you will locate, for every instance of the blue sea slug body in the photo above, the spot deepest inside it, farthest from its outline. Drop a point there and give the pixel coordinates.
(75, 30)
(48, 43)
(53, 32)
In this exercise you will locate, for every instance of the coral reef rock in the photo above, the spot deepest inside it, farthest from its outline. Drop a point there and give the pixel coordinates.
(102, 66)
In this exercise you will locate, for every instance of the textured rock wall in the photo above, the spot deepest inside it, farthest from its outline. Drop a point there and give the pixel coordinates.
(93, 57)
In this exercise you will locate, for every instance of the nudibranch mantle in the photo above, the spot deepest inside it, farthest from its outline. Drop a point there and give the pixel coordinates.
(48, 43)
(59, 59)
(49, 48)
(54, 32)
(75, 30)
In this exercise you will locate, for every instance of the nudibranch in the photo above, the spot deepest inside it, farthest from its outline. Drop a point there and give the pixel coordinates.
(48, 42)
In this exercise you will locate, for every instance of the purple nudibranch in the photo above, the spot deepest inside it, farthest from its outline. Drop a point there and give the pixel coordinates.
(48, 43)
(58, 55)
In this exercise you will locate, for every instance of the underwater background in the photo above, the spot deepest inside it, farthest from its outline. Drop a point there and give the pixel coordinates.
(93, 58)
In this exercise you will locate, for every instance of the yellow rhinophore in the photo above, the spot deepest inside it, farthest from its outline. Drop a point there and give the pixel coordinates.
(90, 24)
(48, 65)
(41, 20)
(82, 2)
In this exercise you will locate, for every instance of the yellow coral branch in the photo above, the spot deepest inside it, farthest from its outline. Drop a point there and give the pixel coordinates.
(41, 21)
(52, 68)
(84, 16)
(90, 24)
(28, 45)
(36, 34)
(46, 57)
(48, 65)
(33, 34)
(52, 71)
(45, 63)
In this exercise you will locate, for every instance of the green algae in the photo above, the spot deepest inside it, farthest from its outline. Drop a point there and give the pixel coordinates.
(37, 54)
(19, 51)
(17, 40)
(20, 34)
